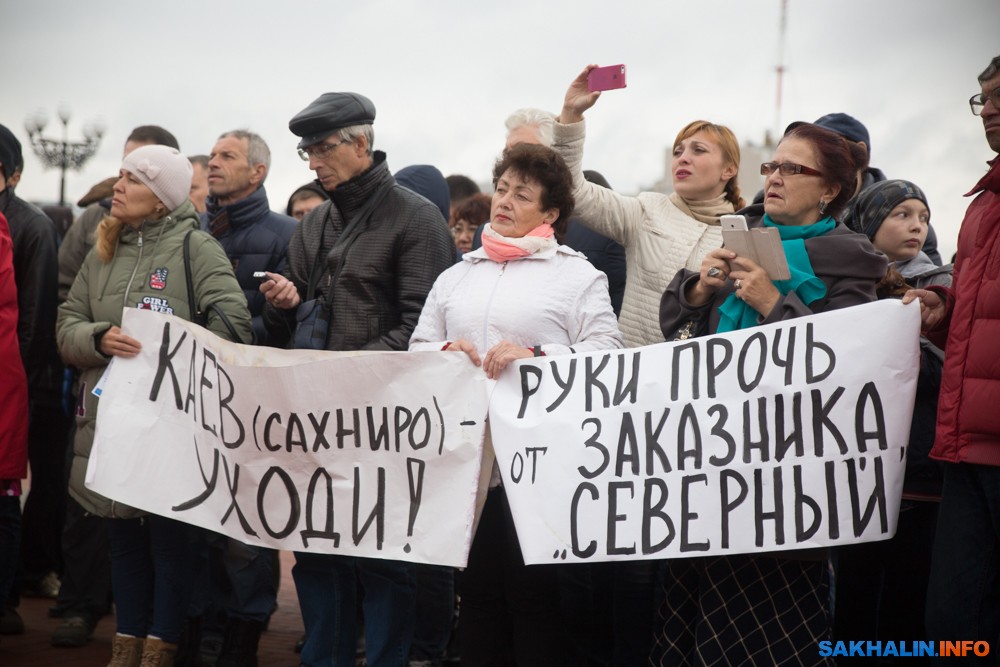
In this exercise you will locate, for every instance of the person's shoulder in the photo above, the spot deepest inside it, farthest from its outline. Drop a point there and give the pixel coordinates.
(27, 213)
(279, 224)
(573, 261)
(413, 201)
(847, 250)
(316, 216)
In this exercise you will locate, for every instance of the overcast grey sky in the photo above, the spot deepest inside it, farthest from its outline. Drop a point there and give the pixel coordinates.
(444, 74)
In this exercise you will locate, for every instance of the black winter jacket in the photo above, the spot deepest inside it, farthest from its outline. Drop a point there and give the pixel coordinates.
(36, 272)
(387, 270)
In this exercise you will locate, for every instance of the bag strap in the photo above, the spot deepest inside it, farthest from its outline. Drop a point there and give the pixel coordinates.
(347, 237)
(198, 316)
(317, 268)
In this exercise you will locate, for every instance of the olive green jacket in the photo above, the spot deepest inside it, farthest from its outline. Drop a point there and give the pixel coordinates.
(147, 271)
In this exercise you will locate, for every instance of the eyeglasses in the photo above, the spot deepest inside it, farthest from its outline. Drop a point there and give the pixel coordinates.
(319, 151)
(787, 169)
(977, 102)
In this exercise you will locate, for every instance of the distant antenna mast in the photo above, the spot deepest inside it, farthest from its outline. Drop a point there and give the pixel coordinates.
(780, 68)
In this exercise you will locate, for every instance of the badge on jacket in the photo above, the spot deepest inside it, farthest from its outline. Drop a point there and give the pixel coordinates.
(156, 304)
(158, 279)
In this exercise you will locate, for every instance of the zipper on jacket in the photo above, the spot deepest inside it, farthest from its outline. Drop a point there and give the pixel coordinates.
(135, 269)
(489, 307)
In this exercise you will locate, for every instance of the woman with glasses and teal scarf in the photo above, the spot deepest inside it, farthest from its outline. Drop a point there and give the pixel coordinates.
(721, 610)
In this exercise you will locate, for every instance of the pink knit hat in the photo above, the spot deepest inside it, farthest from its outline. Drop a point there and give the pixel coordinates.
(164, 170)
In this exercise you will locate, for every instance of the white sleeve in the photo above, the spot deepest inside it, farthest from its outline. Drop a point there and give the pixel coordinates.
(602, 210)
(591, 321)
(431, 331)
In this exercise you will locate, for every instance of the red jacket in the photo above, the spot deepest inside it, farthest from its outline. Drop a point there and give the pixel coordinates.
(968, 425)
(13, 384)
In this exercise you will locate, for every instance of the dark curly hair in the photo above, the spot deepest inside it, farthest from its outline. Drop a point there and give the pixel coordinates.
(839, 159)
(475, 210)
(544, 166)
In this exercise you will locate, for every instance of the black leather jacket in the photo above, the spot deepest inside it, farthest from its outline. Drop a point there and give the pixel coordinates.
(387, 270)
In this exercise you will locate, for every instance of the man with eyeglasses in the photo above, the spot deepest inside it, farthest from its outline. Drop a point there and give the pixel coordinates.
(380, 247)
(963, 598)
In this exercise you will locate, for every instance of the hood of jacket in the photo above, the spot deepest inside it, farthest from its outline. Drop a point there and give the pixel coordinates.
(428, 182)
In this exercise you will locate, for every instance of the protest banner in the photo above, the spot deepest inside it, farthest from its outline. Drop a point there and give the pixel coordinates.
(367, 454)
(779, 437)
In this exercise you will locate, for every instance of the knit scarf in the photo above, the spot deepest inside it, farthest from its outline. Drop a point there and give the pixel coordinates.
(504, 248)
(734, 313)
(707, 211)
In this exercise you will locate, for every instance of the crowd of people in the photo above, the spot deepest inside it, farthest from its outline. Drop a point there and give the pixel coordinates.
(553, 262)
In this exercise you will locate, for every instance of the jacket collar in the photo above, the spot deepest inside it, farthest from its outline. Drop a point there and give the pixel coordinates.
(246, 211)
(990, 181)
(479, 254)
(351, 195)
(182, 217)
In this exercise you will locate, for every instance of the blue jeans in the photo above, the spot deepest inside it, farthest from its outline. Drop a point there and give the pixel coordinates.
(327, 587)
(10, 544)
(152, 564)
(963, 595)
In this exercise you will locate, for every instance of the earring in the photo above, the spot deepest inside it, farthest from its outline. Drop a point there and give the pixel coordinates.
(822, 206)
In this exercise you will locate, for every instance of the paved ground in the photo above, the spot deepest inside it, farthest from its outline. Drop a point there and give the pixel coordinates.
(32, 649)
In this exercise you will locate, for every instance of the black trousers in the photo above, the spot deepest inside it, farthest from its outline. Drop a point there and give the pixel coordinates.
(510, 611)
(86, 575)
(42, 519)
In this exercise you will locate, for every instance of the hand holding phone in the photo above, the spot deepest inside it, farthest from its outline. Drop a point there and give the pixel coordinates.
(606, 78)
(762, 246)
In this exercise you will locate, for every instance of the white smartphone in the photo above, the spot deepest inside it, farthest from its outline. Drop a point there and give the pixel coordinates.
(734, 222)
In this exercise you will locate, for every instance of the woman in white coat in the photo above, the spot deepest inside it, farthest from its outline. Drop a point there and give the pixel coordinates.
(520, 295)
(661, 233)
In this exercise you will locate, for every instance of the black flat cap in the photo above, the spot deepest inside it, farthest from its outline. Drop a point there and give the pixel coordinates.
(328, 113)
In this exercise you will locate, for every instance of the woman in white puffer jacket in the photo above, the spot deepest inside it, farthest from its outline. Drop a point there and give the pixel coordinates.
(520, 295)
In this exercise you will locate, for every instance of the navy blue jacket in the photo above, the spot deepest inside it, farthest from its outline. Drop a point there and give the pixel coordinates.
(256, 239)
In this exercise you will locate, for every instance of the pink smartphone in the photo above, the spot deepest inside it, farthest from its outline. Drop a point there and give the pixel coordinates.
(606, 78)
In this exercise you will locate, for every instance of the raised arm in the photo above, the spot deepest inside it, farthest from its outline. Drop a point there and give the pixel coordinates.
(603, 210)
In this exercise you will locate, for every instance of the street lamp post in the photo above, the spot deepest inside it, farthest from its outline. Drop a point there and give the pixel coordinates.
(64, 154)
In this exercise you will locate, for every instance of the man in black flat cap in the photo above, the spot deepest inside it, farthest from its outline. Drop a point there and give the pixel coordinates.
(380, 248)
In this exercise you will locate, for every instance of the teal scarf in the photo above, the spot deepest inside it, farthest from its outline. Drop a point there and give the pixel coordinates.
(737, 314)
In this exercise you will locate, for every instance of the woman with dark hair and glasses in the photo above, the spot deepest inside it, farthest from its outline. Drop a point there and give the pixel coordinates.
(750, 608)
(521, 294)
(811, 177)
